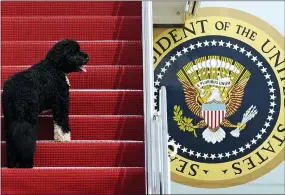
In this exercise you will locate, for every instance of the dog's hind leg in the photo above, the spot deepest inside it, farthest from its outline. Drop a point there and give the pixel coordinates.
(26, 154)
(11, 156)
(21, 144)
(10, 150)
(26, 160)
(60, 112)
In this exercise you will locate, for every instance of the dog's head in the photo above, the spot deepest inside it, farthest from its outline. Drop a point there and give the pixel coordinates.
(67, 56)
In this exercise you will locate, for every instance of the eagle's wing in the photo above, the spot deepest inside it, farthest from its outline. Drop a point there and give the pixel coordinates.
(235, 97)
(191, 98)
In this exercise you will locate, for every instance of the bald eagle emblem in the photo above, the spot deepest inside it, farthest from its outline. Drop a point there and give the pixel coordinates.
(213, 89)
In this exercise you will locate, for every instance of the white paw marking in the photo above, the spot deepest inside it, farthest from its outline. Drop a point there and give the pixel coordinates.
(59, 135)
(67, 80)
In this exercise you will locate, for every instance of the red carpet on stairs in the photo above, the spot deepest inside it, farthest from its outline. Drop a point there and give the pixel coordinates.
(95, 127)
(86, 154)
(106, 154)
(31, 28)
(106, 102)
(103, 77)
(96, 180)
(105, 52)
(112, 8)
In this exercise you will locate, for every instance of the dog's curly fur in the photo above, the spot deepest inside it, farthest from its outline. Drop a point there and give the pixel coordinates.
(41, 87)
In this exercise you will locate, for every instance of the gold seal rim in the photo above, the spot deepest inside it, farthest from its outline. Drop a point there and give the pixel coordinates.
(280, 157)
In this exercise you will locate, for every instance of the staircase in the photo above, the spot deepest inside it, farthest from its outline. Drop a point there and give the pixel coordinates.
(106, 154)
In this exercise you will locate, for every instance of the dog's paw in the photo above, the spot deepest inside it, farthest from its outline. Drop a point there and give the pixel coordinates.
(64, 137)
(59, 135)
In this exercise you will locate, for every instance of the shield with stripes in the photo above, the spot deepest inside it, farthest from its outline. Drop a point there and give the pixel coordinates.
(213, 114)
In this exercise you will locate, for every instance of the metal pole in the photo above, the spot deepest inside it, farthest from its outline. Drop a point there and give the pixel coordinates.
(156, 155)
(147, 39)
(165, 159)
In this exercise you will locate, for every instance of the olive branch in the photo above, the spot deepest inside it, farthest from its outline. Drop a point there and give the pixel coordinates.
(184, 123)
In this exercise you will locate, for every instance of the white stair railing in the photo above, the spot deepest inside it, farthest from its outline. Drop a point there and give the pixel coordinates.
(157, 175)
(160, 160)
(148, 80)
(165, 162)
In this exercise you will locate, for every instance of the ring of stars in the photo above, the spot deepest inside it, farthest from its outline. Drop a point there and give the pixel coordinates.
(263, 70)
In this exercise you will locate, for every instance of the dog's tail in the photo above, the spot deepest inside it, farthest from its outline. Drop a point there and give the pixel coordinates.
(21, 135)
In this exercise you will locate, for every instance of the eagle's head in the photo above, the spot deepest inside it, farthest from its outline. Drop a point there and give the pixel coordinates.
(215, 95)
(215, 90)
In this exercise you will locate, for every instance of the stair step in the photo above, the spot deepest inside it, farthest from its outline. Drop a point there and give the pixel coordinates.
(109, 127)
(71, 8)
(100, 52)
(86, 154)
(96, 77)
(73, 181)
(106, 102)
(52, 28)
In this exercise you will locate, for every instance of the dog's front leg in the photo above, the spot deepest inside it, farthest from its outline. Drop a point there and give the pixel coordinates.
(60, 117)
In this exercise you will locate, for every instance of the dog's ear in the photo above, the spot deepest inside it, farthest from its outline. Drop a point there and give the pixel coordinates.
(54, 54)
(59, 52)
(66, 56)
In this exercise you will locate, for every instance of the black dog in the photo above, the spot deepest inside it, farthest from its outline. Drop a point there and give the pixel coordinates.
(42, 87)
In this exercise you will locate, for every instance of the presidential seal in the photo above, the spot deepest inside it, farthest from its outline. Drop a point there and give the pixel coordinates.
(225, 81)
